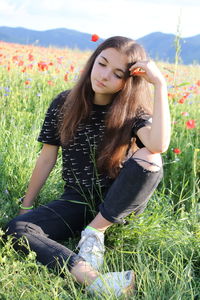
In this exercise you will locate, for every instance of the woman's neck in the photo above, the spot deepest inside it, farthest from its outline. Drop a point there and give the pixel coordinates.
(102, 99)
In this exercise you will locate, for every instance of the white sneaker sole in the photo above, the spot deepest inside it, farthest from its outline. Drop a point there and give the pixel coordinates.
(131, 287)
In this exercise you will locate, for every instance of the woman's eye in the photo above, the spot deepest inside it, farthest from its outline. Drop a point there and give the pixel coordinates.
(118, 76)
(103, 65)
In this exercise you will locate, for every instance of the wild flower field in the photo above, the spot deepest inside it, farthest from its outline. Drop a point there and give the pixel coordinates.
(162, 245)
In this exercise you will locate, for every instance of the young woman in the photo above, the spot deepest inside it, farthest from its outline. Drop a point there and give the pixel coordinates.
(111, 133)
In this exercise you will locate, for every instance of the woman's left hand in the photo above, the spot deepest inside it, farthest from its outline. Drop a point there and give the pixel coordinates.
(148, 70)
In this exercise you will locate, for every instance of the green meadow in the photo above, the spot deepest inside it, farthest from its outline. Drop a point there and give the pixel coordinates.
(162, 246)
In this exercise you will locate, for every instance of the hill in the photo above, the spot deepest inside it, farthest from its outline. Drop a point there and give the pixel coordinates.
(60, 37)
(160, 46)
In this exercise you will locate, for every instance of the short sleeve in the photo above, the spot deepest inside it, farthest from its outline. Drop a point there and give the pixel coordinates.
(49, 132)
(138, 123)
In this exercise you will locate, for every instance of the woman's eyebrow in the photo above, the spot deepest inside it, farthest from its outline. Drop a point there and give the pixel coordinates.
(116, 68)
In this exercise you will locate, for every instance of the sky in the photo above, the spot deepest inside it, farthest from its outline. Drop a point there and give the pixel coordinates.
(130, 18)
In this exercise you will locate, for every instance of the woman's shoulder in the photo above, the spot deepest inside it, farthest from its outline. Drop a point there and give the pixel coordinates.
(59, 100)
(142, 118)
(141, 113)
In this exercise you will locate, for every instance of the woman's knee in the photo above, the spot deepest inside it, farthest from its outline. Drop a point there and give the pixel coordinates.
(20, 228)
(15, 228)
(148, 160)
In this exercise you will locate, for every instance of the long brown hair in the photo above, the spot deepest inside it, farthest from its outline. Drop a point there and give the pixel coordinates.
(134, 97)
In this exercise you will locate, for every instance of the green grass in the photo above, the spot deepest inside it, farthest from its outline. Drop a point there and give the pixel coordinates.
(162, 245)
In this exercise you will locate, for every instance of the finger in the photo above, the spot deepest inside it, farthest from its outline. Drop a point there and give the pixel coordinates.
(137, 71)
(139, 64)
(138, 68)
(132, 70)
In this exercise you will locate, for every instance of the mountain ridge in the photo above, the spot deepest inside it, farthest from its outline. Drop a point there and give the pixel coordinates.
(160, 46)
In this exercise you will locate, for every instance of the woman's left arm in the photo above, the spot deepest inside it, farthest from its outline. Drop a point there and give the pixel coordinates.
(156, 137)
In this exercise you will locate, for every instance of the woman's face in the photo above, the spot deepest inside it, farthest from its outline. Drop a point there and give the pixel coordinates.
(108, 73)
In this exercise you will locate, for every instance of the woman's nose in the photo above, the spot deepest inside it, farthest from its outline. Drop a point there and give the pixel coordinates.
(105, 74)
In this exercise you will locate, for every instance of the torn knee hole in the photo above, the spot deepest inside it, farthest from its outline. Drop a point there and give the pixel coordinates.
(147, 165)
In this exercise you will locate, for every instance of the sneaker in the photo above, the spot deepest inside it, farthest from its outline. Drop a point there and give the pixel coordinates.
(92, 247)
(113, 284)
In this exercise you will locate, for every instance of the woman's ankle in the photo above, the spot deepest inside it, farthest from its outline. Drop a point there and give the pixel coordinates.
(84, 273)
(100, 223)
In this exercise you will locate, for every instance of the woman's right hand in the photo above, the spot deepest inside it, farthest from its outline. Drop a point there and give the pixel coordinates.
(43, 167)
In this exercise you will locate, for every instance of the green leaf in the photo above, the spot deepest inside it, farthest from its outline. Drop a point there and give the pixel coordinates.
(184, 83)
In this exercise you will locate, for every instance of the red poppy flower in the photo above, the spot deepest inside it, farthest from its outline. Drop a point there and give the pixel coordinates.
(182, 100)
(66, 77)
(190, 124)
(30, 57)
(42, 66)
(59, 60)
(15, 58)
(20, 63)
(176, 150)
(27, 82)
(24, 69)
(186, 94)
(50, 82)
(72, 68)
(94, 38)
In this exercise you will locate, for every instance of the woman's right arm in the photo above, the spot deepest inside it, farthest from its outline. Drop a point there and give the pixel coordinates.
(43, 167)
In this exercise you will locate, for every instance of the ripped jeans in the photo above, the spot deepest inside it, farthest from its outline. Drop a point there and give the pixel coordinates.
(60, 219)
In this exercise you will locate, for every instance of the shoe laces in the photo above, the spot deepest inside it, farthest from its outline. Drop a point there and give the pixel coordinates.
(89, 240)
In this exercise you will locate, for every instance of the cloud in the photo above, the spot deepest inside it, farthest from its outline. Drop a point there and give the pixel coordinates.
(130, 18)
(6, 7)
(180, 3)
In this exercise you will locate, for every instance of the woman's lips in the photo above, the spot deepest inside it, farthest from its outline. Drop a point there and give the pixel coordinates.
(99, 83)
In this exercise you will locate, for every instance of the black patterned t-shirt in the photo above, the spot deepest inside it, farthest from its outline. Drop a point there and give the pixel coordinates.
(78, 156)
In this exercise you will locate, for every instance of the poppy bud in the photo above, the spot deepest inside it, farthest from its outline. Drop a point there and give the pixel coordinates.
(94, 38)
